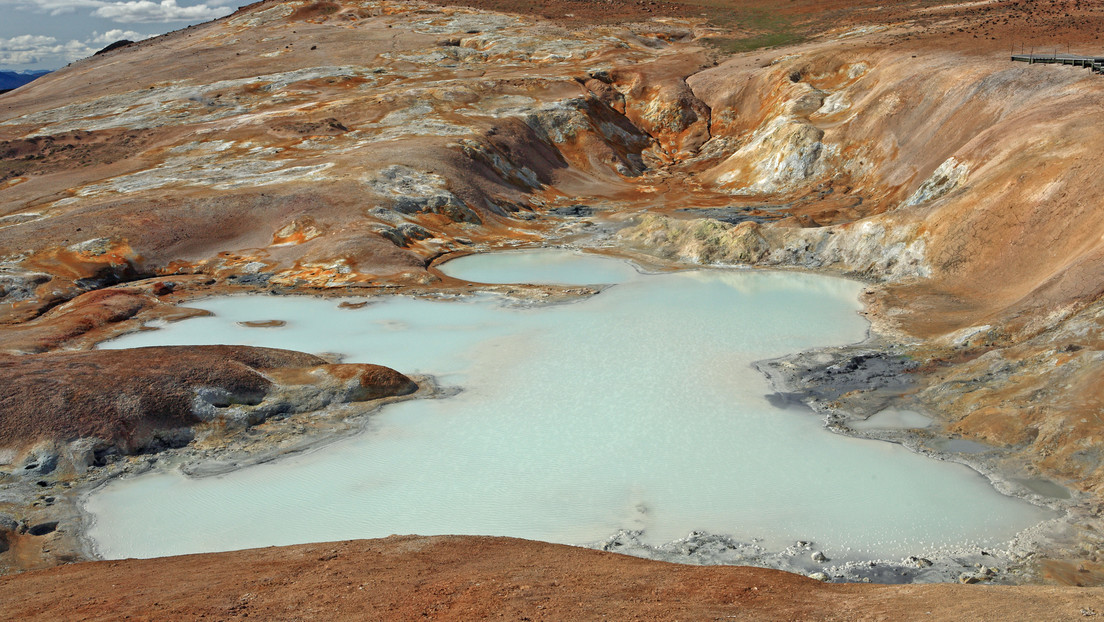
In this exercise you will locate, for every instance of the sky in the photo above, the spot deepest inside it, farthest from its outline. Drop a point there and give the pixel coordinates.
(48, 34)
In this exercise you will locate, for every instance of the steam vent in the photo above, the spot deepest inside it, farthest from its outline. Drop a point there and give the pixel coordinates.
(562, 310)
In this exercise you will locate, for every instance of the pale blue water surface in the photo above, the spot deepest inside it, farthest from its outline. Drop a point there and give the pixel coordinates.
(892, 419)
(636, 408)
(551, 266)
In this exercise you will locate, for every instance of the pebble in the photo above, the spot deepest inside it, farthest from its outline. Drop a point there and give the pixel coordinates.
(919, 562)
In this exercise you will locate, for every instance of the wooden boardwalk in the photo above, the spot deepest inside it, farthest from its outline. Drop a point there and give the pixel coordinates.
(1095, 63)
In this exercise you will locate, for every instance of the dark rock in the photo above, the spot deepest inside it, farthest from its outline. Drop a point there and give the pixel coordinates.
(121, 43)
(414, 232)
(832, 373)
(41, 462)
(444, 203)
(42, 529)
(405, 233)
(601, 75)
(261, 278)
(737, 215)
(573, 210)
(21, 285)
(163, 288)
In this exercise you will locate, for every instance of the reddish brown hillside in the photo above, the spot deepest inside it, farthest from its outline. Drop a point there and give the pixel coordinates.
(476, 578)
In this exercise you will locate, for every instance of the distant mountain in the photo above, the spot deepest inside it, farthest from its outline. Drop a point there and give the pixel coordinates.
(14, 79)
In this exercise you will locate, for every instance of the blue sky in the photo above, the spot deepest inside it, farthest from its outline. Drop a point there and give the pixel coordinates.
(48, 34)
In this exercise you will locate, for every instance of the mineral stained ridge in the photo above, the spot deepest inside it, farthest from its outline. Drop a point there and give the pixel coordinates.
(343, 147)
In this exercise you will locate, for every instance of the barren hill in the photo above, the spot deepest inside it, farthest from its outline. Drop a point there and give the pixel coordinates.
(337, 147)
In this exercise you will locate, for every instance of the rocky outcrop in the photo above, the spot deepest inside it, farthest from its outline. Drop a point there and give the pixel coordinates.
(955, 178)
(77, 406)
(656, 99)
(82, 317)
(411, 192)
(949, 176)
(867, 249)
(1042, 397)
(452, 120)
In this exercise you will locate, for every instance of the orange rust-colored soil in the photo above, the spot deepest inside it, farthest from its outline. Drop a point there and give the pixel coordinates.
(125, 396)
(262, 158)
(477, 578)
(947, 26)
(60, 396)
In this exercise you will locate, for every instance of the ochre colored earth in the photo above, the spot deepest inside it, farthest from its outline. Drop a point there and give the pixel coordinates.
(480, 578)
(125, 397)
(344, 147)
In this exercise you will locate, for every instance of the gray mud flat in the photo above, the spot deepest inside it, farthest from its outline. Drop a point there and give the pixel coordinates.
(804, 558)
(849, 384)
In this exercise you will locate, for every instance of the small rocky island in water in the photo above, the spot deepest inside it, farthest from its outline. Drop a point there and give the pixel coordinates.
(275, 247)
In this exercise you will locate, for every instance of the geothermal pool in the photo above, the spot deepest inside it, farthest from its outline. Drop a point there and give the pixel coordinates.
(633, 409)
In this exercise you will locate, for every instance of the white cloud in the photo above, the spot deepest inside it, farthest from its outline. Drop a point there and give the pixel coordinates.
(59, 7)
(19, 57)
(26, 42)
(144, 11)
(32, 49)
(134, 11)
(111, 36)
(37, 49)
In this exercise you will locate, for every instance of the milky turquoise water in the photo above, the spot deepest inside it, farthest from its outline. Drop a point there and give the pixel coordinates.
(552, 266)
(636, 408)
(891, 419)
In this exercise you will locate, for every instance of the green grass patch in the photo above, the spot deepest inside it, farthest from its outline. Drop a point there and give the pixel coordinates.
(769, 28)
(757, 42)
